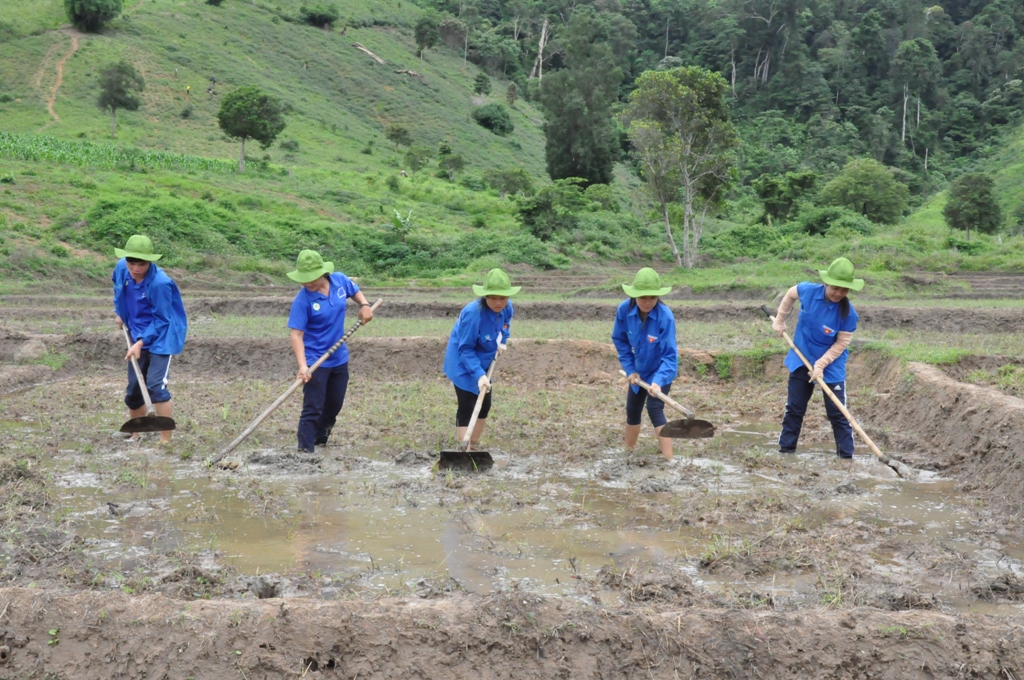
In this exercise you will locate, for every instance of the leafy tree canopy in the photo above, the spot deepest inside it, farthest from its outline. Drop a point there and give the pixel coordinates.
(972, 205)
(869, 188)
(90, 15)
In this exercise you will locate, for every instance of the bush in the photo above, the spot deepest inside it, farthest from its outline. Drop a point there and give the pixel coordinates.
(90, 15)
(393, 184)
(321, 16)
(819, 221)
(215, 3)
(289, 145)
(187, 111)
(495, 118)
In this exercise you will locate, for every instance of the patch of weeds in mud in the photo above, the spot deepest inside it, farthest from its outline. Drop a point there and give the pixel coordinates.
(652, 583)
(1006, 587)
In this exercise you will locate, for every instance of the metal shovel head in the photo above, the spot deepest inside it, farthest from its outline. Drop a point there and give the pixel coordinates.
(687, 429)
(148, 424)
(466, 461)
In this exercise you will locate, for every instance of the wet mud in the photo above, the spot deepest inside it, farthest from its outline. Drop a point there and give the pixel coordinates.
(570, 558)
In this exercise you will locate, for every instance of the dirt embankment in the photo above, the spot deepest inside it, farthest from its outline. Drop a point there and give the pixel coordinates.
(876, 317)
(974, 433)
(93, 635)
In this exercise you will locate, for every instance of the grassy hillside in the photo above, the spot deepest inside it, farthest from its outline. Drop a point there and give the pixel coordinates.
(331, 182)
(68, 193)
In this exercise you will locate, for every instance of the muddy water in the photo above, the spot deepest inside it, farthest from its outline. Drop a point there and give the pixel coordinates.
(530, 523)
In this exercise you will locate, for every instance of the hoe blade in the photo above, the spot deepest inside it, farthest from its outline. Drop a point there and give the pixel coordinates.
(467, 461)
(688, 429)
(148, 424)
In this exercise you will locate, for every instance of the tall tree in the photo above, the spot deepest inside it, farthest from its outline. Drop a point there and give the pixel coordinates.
(398, 135)
(581, 140)
(251, 113)
(972, 203)
(90, 15)
(120, 85)
(691, 131)
(427, 34)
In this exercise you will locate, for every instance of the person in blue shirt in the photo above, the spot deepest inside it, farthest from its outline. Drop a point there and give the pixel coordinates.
(317, 321)
(823, 332)
(645, 337)
(480, 334)
(149, 302)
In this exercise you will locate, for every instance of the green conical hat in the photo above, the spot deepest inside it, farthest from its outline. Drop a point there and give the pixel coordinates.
(138, 247)
(309, 266)
(646, 283)
(840, 273)
(496, 283)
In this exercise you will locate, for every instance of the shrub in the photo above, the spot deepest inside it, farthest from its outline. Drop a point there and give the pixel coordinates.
(321, 16)
(495, 118)
(90, 15)
(215, 3)
(289, 145)
(819, 221)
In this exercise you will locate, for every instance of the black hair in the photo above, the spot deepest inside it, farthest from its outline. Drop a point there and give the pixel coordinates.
(844, 308)
(482, 301)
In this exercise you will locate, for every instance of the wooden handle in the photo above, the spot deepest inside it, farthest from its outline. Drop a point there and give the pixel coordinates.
(479, 402)
(150, 409)
(831, 395)
(664, 397)
(295, 385)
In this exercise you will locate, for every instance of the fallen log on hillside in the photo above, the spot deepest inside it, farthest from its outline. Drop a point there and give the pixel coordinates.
(363, 49)
(411, 73)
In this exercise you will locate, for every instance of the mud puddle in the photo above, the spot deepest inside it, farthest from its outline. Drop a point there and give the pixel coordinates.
(364, 523)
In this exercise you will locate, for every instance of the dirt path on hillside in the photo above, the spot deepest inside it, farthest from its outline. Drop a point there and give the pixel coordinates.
(50, 98)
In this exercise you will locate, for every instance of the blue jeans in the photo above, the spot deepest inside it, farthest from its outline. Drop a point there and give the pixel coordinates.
(322, 399)
(800, 392)
(655, 407)
(155, 369)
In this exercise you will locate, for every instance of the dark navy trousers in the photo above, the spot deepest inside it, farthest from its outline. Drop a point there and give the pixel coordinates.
(800, 392)
(322, 399)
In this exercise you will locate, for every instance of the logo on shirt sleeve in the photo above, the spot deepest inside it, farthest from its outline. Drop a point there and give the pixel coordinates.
(316, 306)
(828, 331)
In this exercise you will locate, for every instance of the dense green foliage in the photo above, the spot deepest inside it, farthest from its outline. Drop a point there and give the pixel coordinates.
(319, 15)
(972, 204)
(869, 188)
(91, 15)
(482, 84)
(578, 99)
(495, 118)
(914, 84)
(120, 87)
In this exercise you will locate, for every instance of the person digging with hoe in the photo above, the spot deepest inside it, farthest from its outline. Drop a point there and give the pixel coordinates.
(823, 332)
(479, 335)
(149, 303)
(645, 337)
(317, 321)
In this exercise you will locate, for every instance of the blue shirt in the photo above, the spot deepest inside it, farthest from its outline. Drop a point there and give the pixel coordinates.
(816, 329)
(152, 310)
(648, 347)
(474, 343)
(322, 319)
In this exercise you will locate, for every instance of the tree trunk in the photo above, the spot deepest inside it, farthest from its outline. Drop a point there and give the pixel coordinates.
(421, 60)
(113, 120)
(666, 35)
(689, 248)
(241, 158)
(906, 97)
(465, 48)
(732, 55)
(668, 232)
(538, 63)
(926, 159)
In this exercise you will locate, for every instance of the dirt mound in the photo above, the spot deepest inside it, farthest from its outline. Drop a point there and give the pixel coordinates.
(876, 317)
(971, 431)
(506, 636)
(16, 377)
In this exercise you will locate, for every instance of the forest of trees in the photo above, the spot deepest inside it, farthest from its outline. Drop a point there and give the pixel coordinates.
(812, 84)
